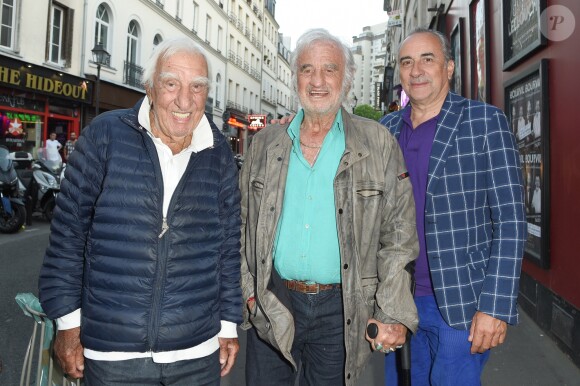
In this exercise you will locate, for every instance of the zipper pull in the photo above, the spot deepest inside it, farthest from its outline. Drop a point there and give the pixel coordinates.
(164, 227)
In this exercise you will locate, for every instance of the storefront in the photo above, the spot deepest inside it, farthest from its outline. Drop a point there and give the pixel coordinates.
(36, 101)
(235, 129)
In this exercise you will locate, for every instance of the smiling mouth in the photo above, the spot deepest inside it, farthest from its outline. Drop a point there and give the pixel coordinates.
(181, 115)
(318, 93)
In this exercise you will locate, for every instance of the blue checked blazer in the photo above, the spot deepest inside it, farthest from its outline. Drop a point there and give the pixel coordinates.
(475, 224)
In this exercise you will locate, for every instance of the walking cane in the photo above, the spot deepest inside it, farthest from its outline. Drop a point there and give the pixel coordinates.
(405, 374)
(373, 330)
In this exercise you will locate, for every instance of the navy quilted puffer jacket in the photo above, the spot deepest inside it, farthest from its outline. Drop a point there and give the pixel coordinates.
(138, 290)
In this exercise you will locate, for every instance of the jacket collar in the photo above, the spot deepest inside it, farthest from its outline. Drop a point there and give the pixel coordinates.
(202, 137)
(447, 128)
(352, 133)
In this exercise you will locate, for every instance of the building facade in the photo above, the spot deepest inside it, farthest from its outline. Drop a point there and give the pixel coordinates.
(369, 49)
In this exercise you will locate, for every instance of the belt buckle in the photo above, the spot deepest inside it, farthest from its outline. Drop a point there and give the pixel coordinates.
(316, 292)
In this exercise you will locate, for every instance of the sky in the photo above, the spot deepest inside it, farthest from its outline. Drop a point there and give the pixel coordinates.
(343, 18)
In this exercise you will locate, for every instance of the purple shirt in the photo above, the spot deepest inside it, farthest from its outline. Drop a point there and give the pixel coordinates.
(416, 146)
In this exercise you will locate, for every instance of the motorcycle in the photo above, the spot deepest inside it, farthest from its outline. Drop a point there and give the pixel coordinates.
(12, 207)
(42, 184)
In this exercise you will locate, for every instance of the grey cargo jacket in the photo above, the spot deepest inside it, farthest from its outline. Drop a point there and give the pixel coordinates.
(375, 216)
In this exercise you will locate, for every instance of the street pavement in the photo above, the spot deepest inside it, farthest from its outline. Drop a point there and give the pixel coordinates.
(527, 358)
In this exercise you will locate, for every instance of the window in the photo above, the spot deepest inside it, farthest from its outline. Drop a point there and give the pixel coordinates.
(157, 40)
(195, 17)
(56, 35)
(218, 86)
(60, 36)
(179, 10)
(133, 72)
(132, 42)
(8, 22)
(102, 27)
(220, 38)
(208, 29)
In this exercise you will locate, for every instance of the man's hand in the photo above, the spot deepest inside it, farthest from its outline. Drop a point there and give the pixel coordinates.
(229, 348)
(486, 332)
(69, 352)
(389, 338)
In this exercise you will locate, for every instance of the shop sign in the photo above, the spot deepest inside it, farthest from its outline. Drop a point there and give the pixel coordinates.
(257, 122)
(37, 79)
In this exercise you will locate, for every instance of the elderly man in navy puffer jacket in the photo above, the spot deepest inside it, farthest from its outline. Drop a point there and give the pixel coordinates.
(142, 272)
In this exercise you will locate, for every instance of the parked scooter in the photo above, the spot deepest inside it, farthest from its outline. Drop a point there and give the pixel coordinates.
(12, 208)
(42, 184)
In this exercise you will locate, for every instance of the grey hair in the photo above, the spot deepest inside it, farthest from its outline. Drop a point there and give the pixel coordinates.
(445, 45)
(167, 49)
(317, 35)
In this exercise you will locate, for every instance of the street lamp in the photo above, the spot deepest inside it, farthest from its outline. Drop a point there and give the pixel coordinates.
(355, 99)
(100, 57)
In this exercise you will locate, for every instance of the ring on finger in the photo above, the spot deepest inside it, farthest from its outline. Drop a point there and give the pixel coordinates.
(378, 346)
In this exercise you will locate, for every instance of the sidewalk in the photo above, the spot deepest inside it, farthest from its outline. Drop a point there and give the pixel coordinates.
(527, 358)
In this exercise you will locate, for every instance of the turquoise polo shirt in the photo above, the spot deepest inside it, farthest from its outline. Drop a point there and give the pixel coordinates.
(306, 245)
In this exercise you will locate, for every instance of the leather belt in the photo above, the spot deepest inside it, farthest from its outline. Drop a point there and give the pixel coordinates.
(309, 288)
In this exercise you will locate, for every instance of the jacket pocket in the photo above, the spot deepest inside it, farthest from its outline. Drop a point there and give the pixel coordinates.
(369, 189)
(257, 184)
(369, 288)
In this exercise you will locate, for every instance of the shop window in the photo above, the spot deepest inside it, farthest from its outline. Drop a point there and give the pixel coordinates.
(20, 131)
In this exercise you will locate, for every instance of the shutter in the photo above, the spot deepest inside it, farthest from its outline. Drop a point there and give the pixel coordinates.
(68, 37)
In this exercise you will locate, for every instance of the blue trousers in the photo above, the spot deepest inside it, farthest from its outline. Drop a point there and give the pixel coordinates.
(318, 347)
(440, 355)
(144, 372)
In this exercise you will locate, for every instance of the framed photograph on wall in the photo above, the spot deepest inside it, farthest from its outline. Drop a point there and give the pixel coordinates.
(521, 29)
(457, 52)
(526, 106)
(479, 49)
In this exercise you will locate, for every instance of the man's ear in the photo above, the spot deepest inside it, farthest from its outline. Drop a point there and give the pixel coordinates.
(450, 68)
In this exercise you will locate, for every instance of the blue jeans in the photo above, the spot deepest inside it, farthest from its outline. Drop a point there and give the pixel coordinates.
(143, 371)
(440, 355)
(318, 347)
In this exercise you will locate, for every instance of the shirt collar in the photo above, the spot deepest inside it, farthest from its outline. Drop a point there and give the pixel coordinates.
(406, 115)
(202, 135)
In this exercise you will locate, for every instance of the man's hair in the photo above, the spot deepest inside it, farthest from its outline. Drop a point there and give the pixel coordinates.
(167, 49)
(444, 42)
(318, 35)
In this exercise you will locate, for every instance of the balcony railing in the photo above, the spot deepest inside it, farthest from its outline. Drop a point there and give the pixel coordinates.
(132, 75)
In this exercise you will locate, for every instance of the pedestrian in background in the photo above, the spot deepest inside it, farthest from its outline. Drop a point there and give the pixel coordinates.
(328, 226)
(69, 146)
(142, 272)
(52, 148)
(467, 183)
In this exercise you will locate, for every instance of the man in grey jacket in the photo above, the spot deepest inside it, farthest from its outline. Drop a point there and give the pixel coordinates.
(328, 227)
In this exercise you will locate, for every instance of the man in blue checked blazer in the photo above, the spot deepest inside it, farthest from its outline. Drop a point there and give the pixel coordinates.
(467, 183)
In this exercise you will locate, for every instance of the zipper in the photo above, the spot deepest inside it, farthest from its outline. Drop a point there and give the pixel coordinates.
(158, 288)
(164, 227)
